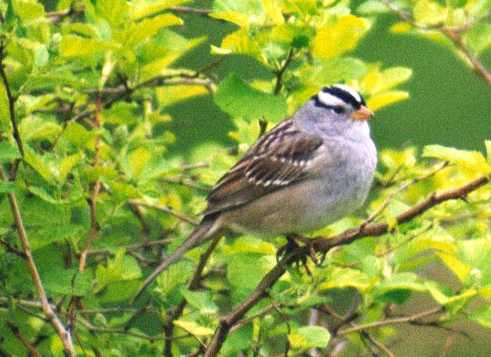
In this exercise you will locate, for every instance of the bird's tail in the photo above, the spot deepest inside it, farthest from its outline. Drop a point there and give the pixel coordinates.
(199, 235)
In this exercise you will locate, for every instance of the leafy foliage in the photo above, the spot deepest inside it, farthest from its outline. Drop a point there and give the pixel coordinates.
(87, 154)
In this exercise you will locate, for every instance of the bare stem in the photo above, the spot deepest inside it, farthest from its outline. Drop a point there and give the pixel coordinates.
(48, 311)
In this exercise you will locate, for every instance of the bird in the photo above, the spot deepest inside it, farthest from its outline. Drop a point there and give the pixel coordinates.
(308, 171)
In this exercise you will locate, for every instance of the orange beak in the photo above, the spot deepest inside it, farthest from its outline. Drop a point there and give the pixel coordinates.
(363, 113)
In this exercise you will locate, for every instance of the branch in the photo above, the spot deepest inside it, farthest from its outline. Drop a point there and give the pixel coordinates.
(48, 311)
(457, 40)
(27, 344)
(124, 91)
(281, 72)
(11, 249)
(94, 192)
(132, 247)
(391, 321)
(166, 209)
(453, 34)
(323, 245)
(11, 104)
(377, 229)
(193, 285)
(190, 10)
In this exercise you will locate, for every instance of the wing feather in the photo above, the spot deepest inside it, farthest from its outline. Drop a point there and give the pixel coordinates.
(278, 159)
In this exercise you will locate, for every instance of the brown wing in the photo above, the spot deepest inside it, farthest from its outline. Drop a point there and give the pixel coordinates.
(278, 159)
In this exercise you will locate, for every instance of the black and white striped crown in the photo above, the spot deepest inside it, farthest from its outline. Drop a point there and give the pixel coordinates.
(339, 95)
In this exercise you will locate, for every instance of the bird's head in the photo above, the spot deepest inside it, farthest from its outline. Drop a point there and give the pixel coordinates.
(343, 102)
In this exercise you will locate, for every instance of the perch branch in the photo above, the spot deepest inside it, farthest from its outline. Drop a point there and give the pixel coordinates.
(323, 245)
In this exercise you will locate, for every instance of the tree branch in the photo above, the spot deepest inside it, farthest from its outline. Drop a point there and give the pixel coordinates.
(27, 344)
(391, 321)
(193, 285)
(281, 71)
(94, 192)
(166, 209)
(11, 104)
(323, 245)
(48, 311)
(123, 91)
(453, 34)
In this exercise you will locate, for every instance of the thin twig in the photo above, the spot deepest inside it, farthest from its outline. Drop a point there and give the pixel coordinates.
(281, 71)
(12, 116)
(190, 10)
(457, 40)
(25, 342)
(391, 321)
(48, 311)
(124, 91)
(11, 249)
(378, 344)
(132, 247)
(193, 285)
(93, 194)
(166, 209)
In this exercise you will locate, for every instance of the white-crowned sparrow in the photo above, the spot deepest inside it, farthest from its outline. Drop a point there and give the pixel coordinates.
(308, 171)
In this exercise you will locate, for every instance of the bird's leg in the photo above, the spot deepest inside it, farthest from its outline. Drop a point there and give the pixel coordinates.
(290, 247)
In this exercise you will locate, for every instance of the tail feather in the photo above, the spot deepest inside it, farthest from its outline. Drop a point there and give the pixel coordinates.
(199, 235)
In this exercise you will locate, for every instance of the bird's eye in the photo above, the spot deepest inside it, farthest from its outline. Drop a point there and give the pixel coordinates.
(338, 109)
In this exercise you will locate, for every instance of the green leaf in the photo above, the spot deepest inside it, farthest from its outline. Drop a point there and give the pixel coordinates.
(8, 152)
(201, 300)
(239, 99)
(140, 9)
(121, 268)
(28, 10)
(471, 160)
(242, 13)
(6, 187)
(372, 7)
(309, 337)
(479, 37)
(429, 12)
(38, 164)
(487, 143)
(249, 244)
(54, 233)
(4, 109)
(379, 101)
(73, 46)
(149, 27)
(193, 328)
(398, 287)
(34, 128)
(337, 38)
(482, 316)
(77, 135)
(59, 280)
(346, 277)
(66, 165)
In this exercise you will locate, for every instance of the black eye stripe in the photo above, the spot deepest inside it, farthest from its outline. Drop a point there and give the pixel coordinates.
(344, 96)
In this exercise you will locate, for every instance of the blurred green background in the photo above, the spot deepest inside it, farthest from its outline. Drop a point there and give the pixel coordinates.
(449, 104)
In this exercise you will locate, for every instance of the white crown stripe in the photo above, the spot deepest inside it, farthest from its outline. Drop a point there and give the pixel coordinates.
(329, 99)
